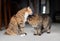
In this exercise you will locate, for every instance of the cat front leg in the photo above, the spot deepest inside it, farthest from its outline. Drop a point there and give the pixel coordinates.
(48, 29)
(21, 29)
(35, 31)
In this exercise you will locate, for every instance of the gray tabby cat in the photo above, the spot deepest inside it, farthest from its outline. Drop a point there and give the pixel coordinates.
(41, 23)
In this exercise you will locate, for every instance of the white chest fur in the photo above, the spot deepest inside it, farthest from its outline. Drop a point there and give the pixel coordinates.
(26, 16)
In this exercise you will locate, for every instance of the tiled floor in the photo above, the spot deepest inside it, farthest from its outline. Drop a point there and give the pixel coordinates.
(53, 36)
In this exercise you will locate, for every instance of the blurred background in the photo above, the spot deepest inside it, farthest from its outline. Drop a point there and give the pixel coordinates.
(9, 7)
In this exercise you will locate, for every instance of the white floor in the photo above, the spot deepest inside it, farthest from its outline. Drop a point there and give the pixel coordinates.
(53, 36)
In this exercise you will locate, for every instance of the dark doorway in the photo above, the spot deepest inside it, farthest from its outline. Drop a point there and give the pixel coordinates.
(55, 10)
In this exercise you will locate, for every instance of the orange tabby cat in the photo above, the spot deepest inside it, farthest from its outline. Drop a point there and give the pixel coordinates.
(39, 22)
(17, 22)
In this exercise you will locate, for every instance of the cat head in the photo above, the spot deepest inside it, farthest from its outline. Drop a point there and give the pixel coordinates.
(29, 11)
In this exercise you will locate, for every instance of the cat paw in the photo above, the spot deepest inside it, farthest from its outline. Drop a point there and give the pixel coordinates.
(39, 34)
(22, 35)
(35, 34)
(48, 32)
(25, 33)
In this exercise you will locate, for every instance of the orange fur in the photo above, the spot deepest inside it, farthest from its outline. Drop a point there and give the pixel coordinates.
(16, 25)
